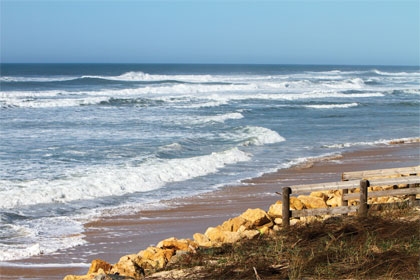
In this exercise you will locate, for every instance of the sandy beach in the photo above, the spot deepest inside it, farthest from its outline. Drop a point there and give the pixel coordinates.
(112, 237)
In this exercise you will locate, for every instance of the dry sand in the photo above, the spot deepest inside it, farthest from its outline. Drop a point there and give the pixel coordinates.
(112, 237)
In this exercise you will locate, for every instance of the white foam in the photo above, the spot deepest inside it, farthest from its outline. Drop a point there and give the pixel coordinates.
(37, 79)
(254, 135)
(383, 73)
(372, 143)
(332, 106)
(115, 181)
(43, 236)
(217, 118)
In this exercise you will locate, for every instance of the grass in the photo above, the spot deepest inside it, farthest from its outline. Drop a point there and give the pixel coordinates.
(382, 246)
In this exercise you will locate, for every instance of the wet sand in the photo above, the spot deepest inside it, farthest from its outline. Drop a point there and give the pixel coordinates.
(112, 237)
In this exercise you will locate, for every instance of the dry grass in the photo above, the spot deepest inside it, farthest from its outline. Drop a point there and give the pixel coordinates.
(385, 246)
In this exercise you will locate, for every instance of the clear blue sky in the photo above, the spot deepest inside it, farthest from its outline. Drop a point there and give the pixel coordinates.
(282, 32)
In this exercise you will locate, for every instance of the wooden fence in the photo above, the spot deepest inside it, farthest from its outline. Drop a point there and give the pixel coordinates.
(352, 180)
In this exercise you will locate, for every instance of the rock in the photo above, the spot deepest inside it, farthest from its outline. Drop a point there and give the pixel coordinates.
(275, 210)
(276, 228)
(129, 266)
(234, 224)
(334, 201)
(154, 257)
(214, 234)
(101, 275)
(250, 234)
(177, 244)
(320, 194)
(99, 264)
(264, 230)
(394, 199)
(296, 204)
(278, 221)
(177, 257)
(256, 217)
(202, 240)
(231, 237)
(217, 235)
(148, 253)
(311, 202)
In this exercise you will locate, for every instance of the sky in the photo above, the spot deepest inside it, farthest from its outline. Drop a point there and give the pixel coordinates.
(363, 32)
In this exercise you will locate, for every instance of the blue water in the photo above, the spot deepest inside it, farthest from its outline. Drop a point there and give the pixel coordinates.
(81, 139)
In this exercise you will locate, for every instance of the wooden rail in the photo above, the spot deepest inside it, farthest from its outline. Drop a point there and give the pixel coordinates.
(370, 174)
(362, 208)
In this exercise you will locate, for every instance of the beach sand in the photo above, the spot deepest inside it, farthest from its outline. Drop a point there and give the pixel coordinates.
(113, 237)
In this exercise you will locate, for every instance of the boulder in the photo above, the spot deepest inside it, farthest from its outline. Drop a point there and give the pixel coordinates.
(264, 230)
(234, 224)
(177, 244)
(202, 240)
(296, 204)
(154, 257)
(320, 194)
(99, 264)
(231, 237)
(129, 266)
(217, 235)
(334, 201)
(256, 217)
(214, 234)
(250, 234)
(311, 202)
(148, 253)
(275, 210)
(278, 221)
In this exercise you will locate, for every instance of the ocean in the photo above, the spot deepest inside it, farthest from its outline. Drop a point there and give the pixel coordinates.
(80, 141)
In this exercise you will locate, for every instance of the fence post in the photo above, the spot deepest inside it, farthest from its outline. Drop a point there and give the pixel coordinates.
(363, 207)
(412, 197)
(286, 207)
(344, 202)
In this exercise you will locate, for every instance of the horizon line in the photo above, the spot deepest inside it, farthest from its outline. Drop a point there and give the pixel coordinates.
(217, 63)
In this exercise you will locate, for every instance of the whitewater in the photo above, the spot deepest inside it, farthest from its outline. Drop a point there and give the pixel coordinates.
(79, 141)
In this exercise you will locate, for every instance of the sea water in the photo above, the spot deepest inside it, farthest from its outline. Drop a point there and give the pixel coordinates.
(79, 141)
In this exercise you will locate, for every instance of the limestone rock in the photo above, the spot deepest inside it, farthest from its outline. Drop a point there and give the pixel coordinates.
(129, 266)
(276, 228)
(177, 244)
(214, 234)
(202, 240)
(250, 234)
(275, 210)
(231, 237)
(296, 204)
(278, 221)
(155, 257)
(264, 230)
(320, 194)
(311, 202)
(217, 235)
(148, 253)
(99, 264)
(256, 217)
(334, 201)
(234, 224)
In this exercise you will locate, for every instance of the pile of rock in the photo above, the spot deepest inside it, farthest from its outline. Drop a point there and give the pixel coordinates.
(250, 224)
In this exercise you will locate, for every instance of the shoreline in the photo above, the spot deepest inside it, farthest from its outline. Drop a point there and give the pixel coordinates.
(113, 237)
